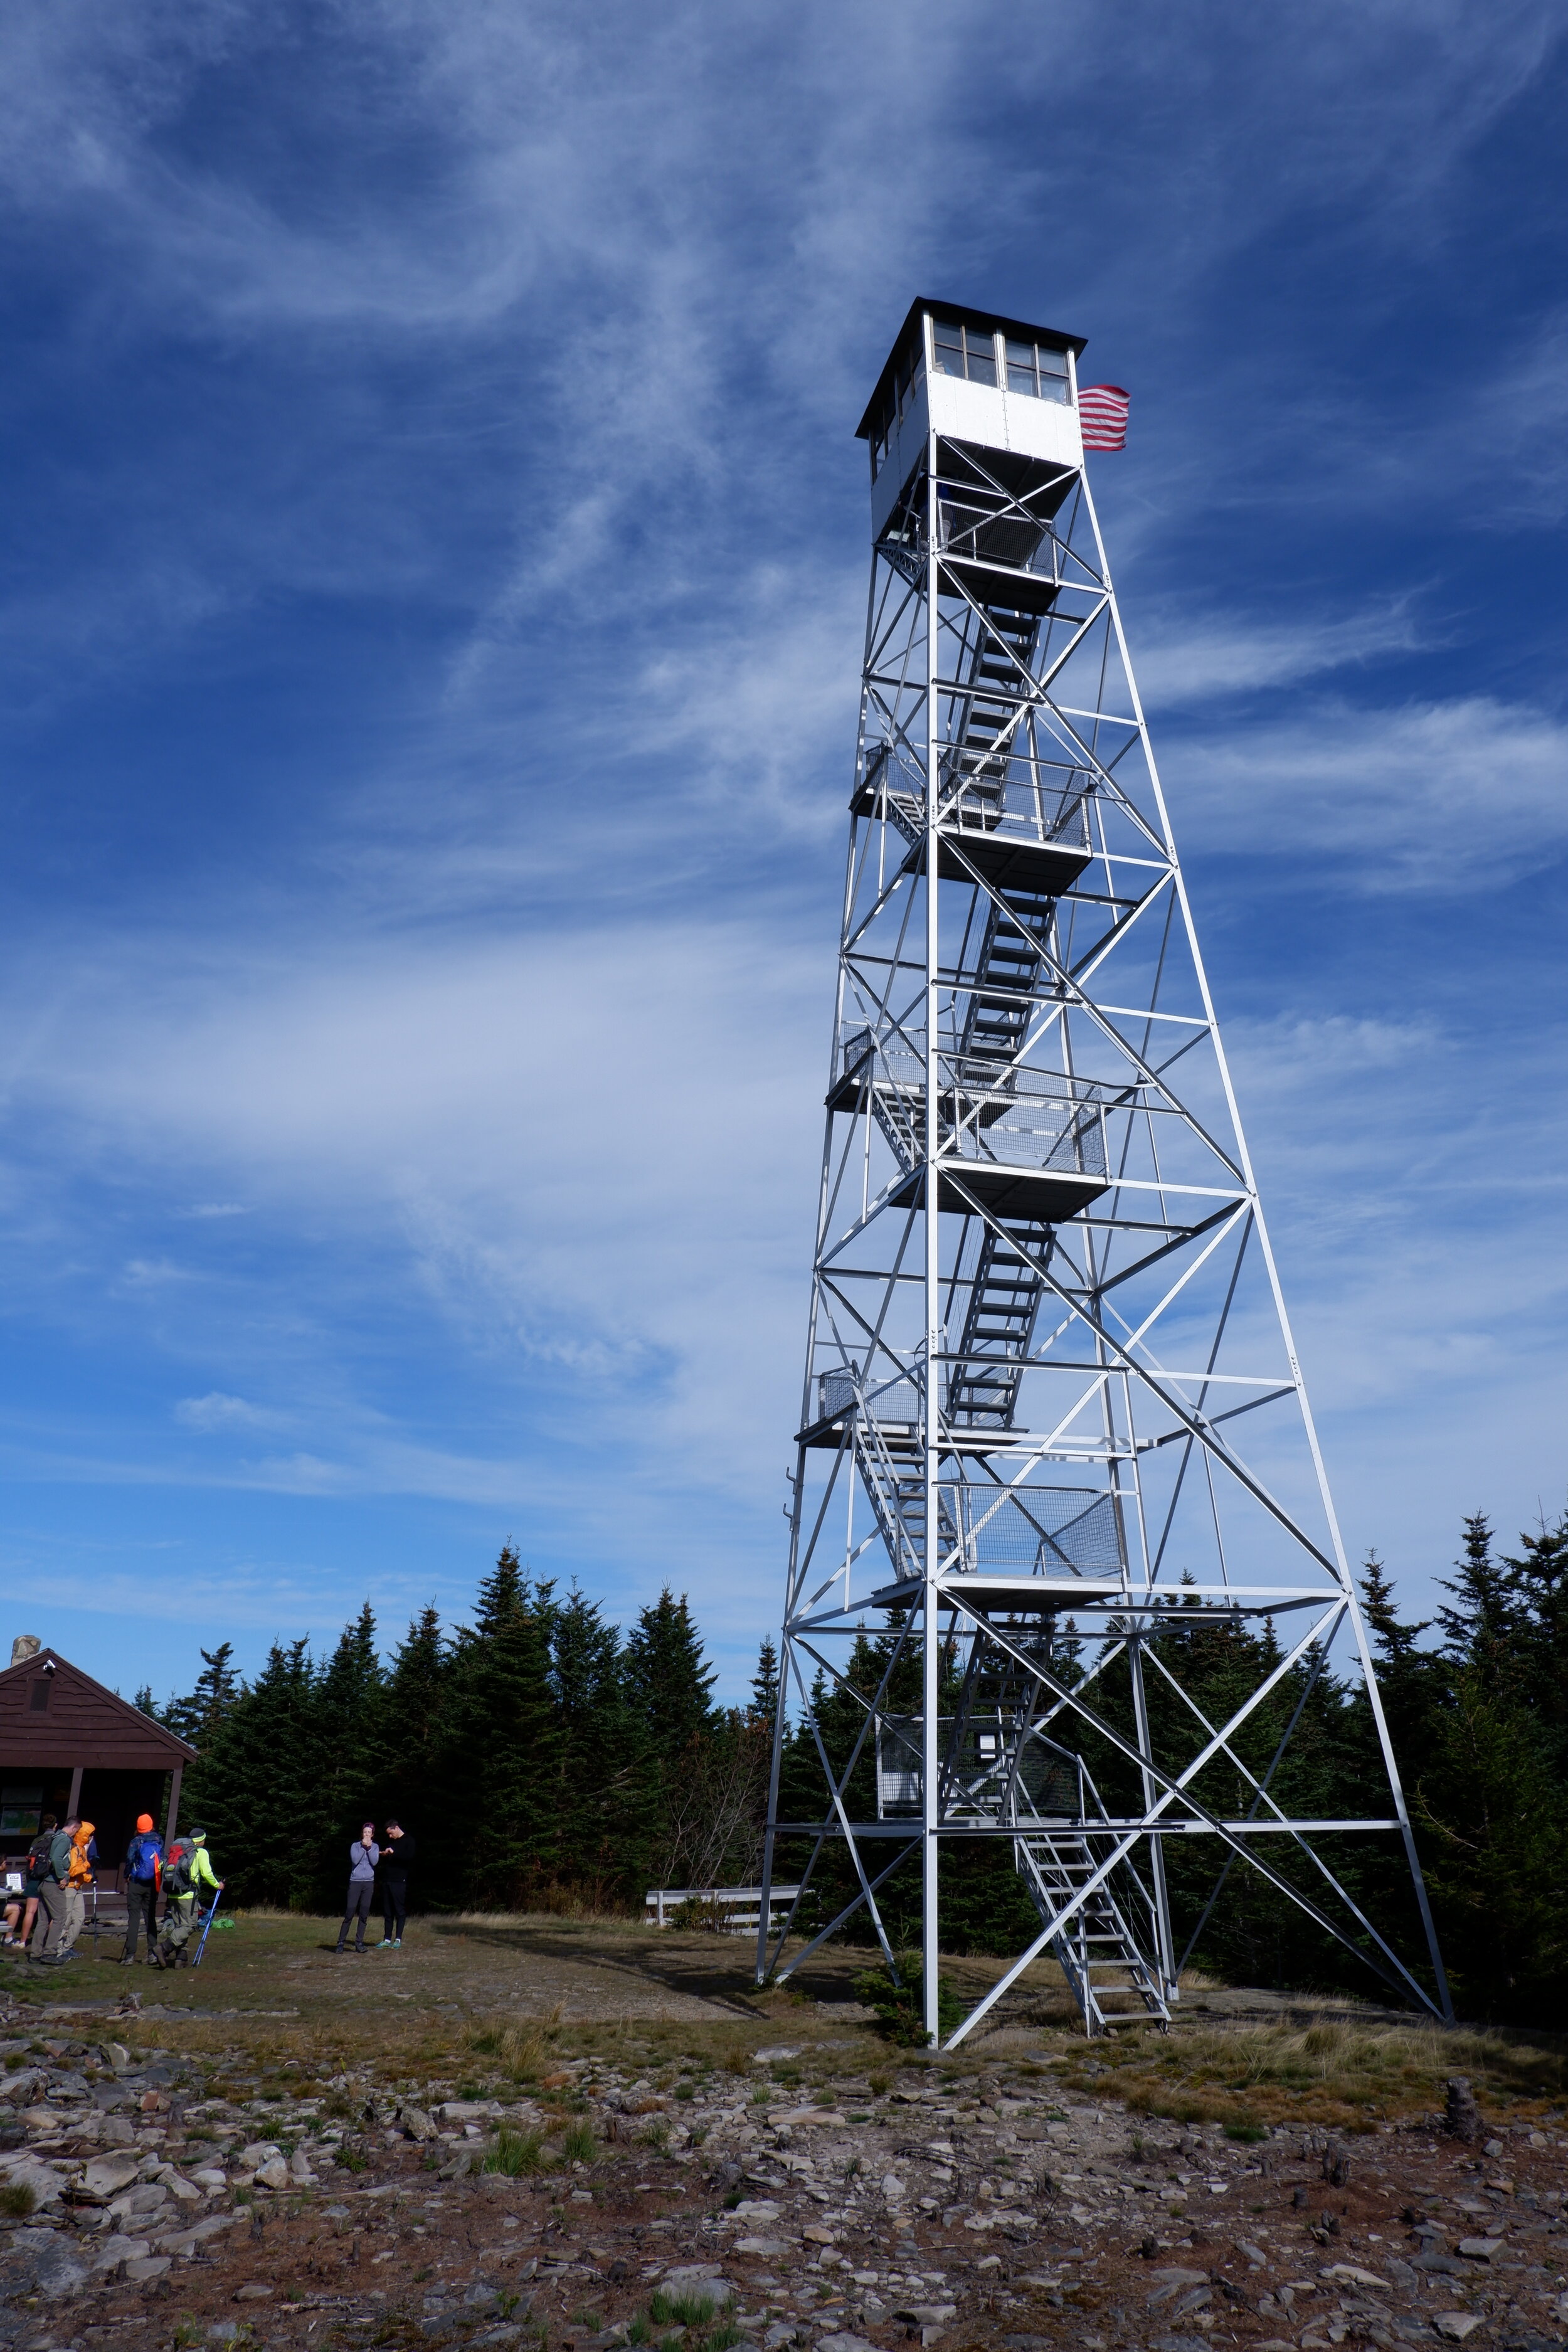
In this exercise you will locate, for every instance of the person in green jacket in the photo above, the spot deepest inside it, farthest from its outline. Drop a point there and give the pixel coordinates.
(188, 1876)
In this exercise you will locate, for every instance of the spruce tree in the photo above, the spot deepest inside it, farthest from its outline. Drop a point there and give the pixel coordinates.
(345, 1697)
(498, 1770)
(668, 1679)
(257, 1786)
(1479, 1627)
(195, 1718)
(403, 1746)
(597, 1856)
(765, 1684)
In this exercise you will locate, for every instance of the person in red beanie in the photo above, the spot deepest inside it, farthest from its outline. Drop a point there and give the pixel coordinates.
(143, 1859)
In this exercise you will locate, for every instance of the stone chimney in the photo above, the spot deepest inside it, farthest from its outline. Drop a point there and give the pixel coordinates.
(25, 1646)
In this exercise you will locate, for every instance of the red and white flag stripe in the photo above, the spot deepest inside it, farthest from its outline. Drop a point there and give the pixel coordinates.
(1102, 412)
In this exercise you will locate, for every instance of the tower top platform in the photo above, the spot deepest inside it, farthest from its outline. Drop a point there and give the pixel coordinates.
(985, 322)
(979, 382)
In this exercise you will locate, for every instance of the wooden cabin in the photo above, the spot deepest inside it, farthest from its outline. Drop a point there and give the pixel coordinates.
(68, 1746)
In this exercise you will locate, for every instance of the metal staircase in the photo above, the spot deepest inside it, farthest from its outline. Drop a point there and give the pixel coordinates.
(1000, 1766)
(1098, 1950)
(998, 1325)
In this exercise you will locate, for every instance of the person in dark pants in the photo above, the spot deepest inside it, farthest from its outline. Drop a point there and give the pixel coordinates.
(363, 1855)
(53, 1916)
(144, 1856)
(393, 1872)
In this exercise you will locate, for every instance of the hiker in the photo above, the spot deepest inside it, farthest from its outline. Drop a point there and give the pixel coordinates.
(143, 1859)
(188, 1874)
(393, 1872)
(363, 1855)
(37, 1854)
(52, 1907)
(79, 1878)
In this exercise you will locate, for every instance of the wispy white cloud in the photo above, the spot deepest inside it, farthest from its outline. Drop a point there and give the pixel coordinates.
(215, 1412)
(1441, 797)
(1180, 661)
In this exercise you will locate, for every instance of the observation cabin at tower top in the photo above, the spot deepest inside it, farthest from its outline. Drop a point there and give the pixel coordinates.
(971, 376)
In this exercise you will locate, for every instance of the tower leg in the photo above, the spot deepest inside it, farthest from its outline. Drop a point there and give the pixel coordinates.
(1167, 1942)
(931, 1729)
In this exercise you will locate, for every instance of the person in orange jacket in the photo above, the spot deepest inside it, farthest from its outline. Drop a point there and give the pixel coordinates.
(78, 1879)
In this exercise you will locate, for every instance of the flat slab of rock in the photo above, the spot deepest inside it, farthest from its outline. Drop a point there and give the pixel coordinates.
(1456, 2324)
(1350, 2274)
(119, 2248)
(40, 2262)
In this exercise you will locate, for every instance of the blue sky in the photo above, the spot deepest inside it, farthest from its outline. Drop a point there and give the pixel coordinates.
(431, 582)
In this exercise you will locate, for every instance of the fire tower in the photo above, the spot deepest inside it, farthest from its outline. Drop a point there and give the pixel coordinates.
(1051, 1395)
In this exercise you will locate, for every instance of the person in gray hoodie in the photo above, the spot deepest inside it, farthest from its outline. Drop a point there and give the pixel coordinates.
(363, 1855)
(53, 1910)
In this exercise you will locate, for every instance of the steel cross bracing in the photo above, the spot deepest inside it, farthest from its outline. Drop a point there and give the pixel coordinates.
(1050, 1385)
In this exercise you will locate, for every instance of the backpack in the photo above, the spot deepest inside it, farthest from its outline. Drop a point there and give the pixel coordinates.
(38, 1855)
(177, 1868)
(145, 1851)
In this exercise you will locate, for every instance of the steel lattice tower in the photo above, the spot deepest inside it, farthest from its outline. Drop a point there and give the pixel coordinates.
(1050, 1385)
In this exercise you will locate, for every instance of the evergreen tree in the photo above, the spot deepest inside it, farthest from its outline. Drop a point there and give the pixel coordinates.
(258, 1786)
(765, 1684)
(598, 1854)
(196, 1718)
(498, 1770)
(345, 1695)
(1480, 1628)
(667, 1681)
(403, 1741)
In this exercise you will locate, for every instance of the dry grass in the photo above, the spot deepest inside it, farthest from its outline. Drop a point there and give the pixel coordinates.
(1334, 2071)
(519, 2046)
(273, 2006)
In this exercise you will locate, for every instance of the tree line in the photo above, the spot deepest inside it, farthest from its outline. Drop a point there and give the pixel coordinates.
(541, 1759)
(544, 1760)
(1478, 1720)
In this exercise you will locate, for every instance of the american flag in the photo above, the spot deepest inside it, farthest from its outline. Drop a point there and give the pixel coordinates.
(1102, 411)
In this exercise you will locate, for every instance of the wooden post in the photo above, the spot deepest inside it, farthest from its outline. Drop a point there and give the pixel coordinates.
(73, 1811)
(171, 1824)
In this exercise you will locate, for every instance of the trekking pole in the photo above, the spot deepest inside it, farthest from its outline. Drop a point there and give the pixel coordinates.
(212, 1915)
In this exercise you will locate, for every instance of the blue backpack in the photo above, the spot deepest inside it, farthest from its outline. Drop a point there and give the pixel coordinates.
(146, 1852)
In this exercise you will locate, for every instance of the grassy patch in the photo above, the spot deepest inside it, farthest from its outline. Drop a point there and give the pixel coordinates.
(688, 2309)
(518, 2155)
(1334, 2071)
(16, 2201)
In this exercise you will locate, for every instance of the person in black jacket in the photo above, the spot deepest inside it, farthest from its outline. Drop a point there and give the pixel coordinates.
(393, 1872)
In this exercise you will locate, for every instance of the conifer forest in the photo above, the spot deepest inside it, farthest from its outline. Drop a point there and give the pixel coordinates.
(546, 1761)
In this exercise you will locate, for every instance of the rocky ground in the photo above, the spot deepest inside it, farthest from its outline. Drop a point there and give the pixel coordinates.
(818, 2191)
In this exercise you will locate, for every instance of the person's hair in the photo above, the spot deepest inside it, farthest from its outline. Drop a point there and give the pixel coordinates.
(49, 1823)
(393, 1822)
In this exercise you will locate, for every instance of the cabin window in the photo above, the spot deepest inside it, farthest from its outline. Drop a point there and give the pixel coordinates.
(1039, 370)
(964, 351)
(895, 405)
(38, 1697)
